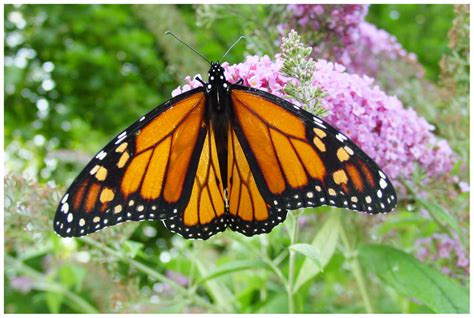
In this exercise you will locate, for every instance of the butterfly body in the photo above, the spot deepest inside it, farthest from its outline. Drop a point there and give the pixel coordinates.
(222, 155)
(219, 111)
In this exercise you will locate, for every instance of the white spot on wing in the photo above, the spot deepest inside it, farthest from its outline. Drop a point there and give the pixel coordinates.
(120, 140)
(123, 134)
(101, 155)
(320, 125)
(65, 198)
(317, 120)
(341, 137)
(65, 207)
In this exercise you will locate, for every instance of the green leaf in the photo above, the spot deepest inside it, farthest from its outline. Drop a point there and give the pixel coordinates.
(440, 213)
(414, 279)
(276, 303)
(309, 251)
(325, 242)
(231, 267)
(54, 300)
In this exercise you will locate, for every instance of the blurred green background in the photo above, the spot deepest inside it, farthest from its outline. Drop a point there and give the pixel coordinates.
(76, 75)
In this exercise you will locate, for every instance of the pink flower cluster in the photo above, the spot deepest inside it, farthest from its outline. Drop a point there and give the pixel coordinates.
(444, 248)
(339, 33)
(394, 136)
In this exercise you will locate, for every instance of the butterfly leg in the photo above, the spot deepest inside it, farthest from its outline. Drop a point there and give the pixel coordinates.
(240, 82)
(197, 78)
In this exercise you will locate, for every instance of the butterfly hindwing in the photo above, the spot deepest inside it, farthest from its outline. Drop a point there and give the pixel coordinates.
(249, 214)
(205, 213)
(300, 161)
(143, 173)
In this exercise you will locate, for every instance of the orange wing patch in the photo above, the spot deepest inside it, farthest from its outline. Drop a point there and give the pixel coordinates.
(205, 212)
(355, 177)
(367, 173)
(153, 181)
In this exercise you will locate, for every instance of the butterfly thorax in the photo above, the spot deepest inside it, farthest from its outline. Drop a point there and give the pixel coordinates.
(217, 88)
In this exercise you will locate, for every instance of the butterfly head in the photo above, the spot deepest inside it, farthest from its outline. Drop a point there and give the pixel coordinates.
(216, 76)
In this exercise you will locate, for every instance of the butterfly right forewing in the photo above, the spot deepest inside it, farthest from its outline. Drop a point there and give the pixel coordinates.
(299, 160)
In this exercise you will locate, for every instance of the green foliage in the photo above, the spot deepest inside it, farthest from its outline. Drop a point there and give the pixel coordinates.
(161, 18)
(410, 23)
(325, 242)
(259, 24)
(455, 78)
(455, 64)
(414, 279)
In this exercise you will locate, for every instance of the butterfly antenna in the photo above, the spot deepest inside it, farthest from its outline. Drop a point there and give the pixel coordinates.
(232, 46)
(191, 48)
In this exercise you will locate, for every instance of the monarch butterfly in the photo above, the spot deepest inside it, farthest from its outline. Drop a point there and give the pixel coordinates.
(217, 156)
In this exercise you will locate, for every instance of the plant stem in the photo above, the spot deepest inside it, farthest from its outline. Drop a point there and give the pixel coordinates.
(277, 271)
(356, 269)
(291, 270)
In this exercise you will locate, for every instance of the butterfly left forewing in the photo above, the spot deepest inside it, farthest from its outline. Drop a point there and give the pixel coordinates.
(299, 160)
(143, 173)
